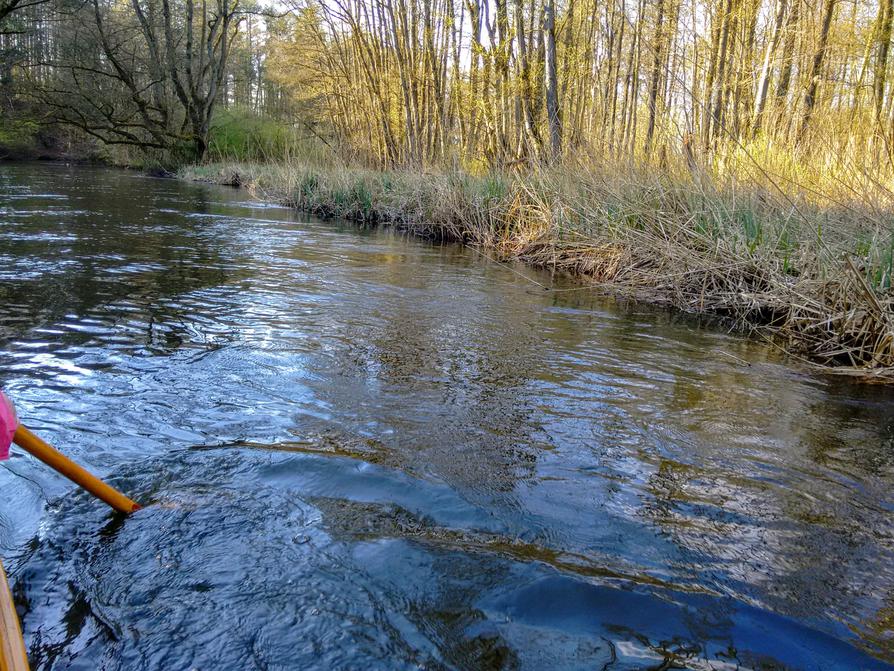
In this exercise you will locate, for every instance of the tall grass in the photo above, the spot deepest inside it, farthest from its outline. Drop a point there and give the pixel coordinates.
(815, 275)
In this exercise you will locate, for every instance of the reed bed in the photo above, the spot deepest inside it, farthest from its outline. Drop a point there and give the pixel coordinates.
(812, 277)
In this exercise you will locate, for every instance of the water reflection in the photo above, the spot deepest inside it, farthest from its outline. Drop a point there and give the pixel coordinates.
(367, 451)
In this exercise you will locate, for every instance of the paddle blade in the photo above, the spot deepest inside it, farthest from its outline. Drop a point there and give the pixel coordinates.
(8, 424)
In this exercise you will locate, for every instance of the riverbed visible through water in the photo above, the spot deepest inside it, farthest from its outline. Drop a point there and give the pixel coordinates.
(359, 450)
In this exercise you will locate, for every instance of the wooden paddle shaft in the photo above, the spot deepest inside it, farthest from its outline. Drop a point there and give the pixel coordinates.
(12, 647)
(80, 476)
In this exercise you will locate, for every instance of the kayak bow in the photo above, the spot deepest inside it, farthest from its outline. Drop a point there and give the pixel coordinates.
(12, 646)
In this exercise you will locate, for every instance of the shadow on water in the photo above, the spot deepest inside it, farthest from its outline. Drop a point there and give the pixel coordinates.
(363, 451)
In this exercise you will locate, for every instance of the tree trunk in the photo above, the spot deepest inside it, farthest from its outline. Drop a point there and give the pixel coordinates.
(720, 82)
(552, 82)
(788, 61)
(886, 9)
(656, 73)
(816, 67)
(764, 81)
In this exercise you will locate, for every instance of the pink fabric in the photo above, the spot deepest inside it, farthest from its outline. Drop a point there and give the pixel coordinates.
(8, 425)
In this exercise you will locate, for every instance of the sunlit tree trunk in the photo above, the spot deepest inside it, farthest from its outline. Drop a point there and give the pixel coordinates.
(552, 94)
(787, 60)
(763, 84)
(886, 10)
(655, 83)
(816, 66)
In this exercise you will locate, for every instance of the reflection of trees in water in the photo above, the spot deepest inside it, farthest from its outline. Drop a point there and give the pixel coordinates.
(880, 629)
(847, 534)
(119, 259)
(783, 488)
(850, 429)
(736, 469)
(446, 609)
(747, 474)
(452, 390)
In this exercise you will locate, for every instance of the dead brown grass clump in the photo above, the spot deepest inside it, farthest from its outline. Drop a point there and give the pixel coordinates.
(844, 324)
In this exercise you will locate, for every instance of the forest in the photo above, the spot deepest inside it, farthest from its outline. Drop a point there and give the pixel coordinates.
(395, 83)
(734, 157)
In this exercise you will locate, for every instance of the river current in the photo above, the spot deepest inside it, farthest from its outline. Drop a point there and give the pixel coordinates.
(358, 450)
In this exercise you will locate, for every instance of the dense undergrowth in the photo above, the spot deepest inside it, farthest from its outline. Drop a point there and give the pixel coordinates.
(814, 276)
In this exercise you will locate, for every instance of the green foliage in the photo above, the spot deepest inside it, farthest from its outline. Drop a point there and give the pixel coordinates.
(240, 135)
(493, 188)
(752, 228)
(886, 269)
(786, 246)
(363, 199)
(881, 268)
(307, 188)
(17, 135)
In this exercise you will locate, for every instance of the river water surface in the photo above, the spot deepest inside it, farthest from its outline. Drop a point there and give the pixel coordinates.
(362, 451)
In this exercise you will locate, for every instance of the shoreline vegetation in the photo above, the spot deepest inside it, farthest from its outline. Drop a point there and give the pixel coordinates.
(723, 157)
(812, 278)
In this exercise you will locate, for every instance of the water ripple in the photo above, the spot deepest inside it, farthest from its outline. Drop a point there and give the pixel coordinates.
(362, 451)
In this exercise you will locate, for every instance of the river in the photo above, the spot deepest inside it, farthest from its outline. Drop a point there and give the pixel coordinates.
(359, 450)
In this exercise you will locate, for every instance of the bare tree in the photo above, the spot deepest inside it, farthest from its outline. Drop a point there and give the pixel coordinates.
(554, 121)
(149, 77)
(8, 7)
(816, 66)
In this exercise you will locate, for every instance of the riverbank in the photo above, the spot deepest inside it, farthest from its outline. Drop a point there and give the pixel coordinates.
(814, 279)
